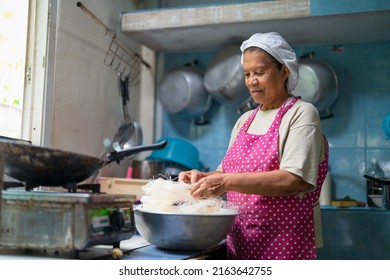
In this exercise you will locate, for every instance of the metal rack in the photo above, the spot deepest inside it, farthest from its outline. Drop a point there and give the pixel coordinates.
(119, 57)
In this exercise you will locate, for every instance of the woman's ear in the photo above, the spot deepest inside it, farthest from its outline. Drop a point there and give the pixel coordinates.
(285, 72)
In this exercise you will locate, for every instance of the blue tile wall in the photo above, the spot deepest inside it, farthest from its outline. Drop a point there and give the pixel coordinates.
(354, 132)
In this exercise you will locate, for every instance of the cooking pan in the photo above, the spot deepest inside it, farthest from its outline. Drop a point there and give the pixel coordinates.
(41, 166)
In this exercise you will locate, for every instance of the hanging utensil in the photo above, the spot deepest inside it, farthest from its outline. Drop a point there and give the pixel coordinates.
(137, 137)
(129, 133)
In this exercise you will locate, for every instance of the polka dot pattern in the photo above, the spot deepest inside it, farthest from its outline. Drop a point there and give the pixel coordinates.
(271, 228)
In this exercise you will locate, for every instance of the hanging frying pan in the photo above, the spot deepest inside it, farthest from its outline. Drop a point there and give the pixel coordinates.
(49, 167)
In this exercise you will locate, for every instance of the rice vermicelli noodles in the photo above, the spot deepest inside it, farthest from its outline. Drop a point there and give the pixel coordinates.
(161, 195)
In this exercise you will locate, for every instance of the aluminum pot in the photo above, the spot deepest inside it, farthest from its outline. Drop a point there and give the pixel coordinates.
(147, 169)
(317, 84)
(224, 78)
(182, 93)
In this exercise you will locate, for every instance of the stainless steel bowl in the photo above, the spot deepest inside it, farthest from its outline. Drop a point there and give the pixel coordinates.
(183, 231)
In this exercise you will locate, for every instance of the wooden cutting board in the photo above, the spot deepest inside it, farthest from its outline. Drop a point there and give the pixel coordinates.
(344, 203)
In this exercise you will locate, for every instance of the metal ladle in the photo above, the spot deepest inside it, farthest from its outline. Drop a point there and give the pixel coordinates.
(129, 133)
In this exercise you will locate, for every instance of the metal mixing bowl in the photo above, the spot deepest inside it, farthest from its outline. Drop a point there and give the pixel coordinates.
(183, 231)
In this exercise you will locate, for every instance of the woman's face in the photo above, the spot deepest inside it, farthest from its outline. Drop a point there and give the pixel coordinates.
(265, 82)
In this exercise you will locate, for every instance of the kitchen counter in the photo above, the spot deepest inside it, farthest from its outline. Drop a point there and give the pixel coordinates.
(136, 248)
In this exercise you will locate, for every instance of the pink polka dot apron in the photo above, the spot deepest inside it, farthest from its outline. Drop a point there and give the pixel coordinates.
(269, 227)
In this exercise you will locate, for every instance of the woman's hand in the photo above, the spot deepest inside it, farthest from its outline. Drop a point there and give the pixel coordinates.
(190, 177)
(204, 184)
(209, 186)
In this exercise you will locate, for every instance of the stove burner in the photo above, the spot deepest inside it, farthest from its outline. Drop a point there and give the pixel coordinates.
(9, 185)
(12, 184)
(94, 188)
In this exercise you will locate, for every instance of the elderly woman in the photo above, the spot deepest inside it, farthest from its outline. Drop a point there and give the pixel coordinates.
(276, 162)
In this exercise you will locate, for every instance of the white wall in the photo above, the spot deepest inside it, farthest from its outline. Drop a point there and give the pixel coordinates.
(84, 102)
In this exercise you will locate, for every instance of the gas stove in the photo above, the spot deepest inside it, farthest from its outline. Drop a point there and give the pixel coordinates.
(36, 212)
(63, 220)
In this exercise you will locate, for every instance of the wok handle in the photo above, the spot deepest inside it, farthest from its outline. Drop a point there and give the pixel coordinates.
(118, 156)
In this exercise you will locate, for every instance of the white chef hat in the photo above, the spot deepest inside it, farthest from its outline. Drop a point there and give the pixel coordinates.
(275, 45)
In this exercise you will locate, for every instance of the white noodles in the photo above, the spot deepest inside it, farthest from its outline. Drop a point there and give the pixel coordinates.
(168, 196)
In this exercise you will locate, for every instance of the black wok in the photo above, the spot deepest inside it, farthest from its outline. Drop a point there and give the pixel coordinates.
(40, 166)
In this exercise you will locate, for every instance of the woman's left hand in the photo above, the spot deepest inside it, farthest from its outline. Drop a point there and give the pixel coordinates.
(210, 186)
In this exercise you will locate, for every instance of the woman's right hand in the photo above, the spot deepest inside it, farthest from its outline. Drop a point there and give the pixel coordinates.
(190, 177)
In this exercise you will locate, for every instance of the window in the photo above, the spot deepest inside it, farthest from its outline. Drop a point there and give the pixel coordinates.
(13, 45)
(23, 32)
